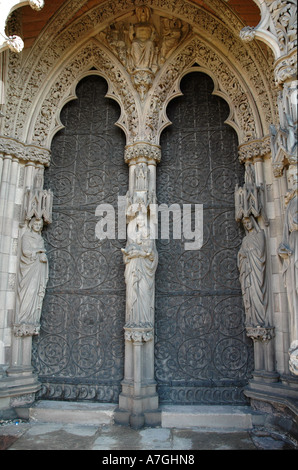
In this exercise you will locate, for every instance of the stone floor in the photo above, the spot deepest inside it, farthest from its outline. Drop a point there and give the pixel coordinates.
(27, 435)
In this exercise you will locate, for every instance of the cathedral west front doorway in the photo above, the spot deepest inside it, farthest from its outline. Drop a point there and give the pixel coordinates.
(201, 352)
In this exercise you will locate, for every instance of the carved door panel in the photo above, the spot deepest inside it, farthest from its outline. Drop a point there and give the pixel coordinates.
(79, 353)
(202, 353)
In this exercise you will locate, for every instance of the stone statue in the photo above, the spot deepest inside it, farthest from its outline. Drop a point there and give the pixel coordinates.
(140, 258)
(142, 35)
(288, 250)
(173, 33)
(252, 264)
(33, 275)
(293, 353)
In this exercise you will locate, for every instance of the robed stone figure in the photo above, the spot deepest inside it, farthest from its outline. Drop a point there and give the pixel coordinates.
(33, 275)
(252, 264)
(141, 259)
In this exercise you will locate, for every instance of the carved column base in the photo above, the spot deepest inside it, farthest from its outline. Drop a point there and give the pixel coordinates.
(138, 401)
(138, 411)
(18, 389)
(266, 394)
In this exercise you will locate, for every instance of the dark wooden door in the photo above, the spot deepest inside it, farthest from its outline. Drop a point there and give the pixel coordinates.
(79, 353)
(202, 354)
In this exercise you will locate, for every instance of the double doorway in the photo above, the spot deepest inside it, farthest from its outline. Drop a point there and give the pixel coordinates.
(202, 354)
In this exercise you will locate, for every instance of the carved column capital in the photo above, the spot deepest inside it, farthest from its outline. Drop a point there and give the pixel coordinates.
(260, 333)
(26, 329)
(138, 333)
(142, 152)
(254, 150)
(24, 152)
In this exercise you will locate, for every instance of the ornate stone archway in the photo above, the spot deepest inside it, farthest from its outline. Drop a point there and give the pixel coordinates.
(143, 83)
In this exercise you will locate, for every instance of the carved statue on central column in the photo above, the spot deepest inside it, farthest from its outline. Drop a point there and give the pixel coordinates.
(141, 259)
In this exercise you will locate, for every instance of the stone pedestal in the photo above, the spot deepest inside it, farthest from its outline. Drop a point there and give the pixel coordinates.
(138, 401)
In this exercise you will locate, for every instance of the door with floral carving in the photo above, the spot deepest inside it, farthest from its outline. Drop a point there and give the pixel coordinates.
(79, 353)
(202, 354)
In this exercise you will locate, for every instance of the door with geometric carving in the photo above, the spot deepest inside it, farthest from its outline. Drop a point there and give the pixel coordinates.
(202, 354)
(79, 353)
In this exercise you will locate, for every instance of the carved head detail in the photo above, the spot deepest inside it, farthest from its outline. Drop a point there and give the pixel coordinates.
(247, 223)
(36, 225)
(143, 14)
(293, 177)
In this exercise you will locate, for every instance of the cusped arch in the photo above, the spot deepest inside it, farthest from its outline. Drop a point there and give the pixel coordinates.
(90, 59)
(216, 91)
(244, 117)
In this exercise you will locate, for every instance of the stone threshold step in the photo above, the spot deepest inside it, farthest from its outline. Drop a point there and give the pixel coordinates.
(225, 417)
(70, 412)
(212, 418)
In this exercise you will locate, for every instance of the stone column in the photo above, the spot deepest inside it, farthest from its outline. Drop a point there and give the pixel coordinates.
(21, 198)
(138, 401)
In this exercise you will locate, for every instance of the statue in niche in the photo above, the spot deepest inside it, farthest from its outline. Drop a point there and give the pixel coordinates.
(140, 258)
(252, 264)
(142, 35)
(288, 249)
(141, 177)
(33, 275)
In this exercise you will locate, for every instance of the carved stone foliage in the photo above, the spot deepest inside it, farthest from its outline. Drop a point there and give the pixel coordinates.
(91, 55)
(202, 354)
(79, 354)
(284, 16)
